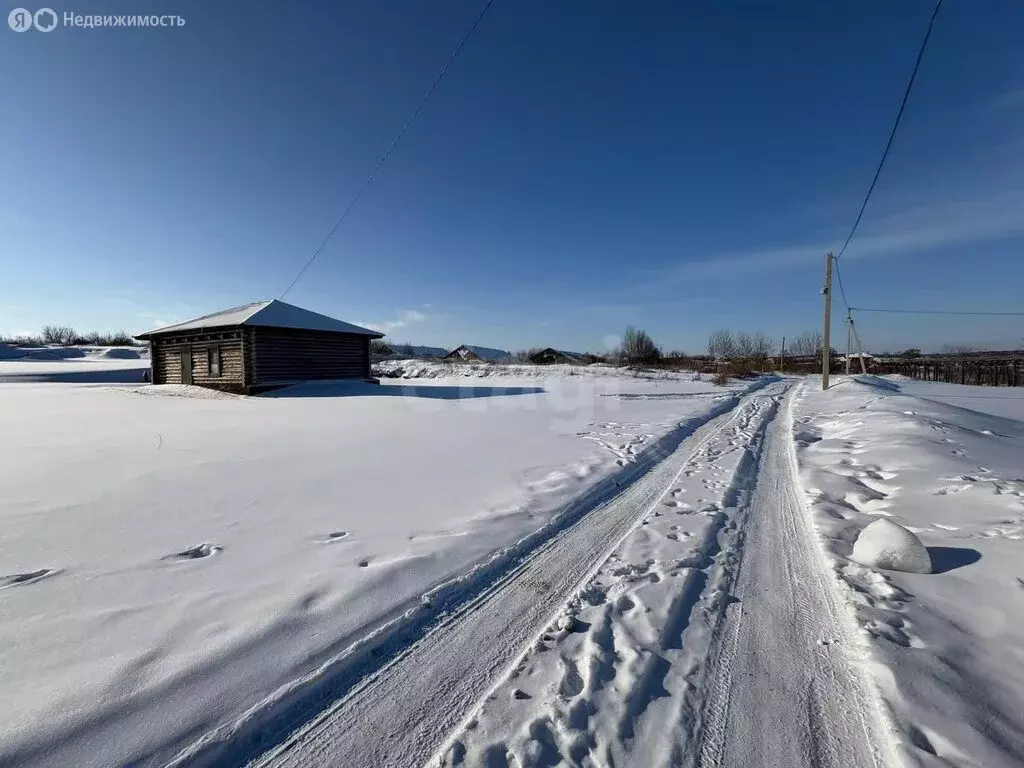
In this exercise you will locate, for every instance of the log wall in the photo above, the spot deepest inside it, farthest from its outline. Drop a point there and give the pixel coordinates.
(281, 354)
(166, 359)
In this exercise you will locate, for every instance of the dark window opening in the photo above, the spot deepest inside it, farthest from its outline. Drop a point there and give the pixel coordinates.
(213, 361)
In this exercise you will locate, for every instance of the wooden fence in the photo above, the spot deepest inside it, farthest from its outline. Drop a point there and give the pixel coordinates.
(992, 372)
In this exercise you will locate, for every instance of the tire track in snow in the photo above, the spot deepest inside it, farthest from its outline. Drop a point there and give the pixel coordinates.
(788, 685)
(392, 696)
(635, 699)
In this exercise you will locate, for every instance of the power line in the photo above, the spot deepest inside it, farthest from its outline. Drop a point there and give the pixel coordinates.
(892, 133)
(839, 279)
(398, 137)
(935, 312)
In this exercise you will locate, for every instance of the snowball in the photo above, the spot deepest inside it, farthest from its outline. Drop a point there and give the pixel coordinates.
(884, 544)
(567, 623)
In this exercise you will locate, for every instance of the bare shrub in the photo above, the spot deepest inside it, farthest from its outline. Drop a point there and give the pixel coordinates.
(59, 334)
(22, 341)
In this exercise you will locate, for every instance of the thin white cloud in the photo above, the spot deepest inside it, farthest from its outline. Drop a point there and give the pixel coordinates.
(404, 318)
(1011, 99)
(939, 224)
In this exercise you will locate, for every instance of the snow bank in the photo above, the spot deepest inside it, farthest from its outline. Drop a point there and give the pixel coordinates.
(432, 369)
(53, 353)
(884, 544)
(118, 353)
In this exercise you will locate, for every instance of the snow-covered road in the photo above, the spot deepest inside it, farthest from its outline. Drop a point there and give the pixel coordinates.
(711, 636)
(789, 684)
(399, 715)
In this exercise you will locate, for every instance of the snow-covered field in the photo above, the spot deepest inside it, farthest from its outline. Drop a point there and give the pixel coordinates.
(508, 566)
(171, 557)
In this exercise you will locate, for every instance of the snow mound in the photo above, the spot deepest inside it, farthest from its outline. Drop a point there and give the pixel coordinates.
(53, 353)
(884, 544)
(117, 353)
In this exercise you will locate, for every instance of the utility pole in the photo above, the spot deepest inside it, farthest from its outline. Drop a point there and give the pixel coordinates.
(826, 289)
(849, 333)
(860, 348)
(782, 356)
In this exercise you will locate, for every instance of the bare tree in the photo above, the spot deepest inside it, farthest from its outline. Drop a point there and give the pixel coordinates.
(638, 347)
(380, 347)
(960, 350)
(744, 345)
(721, 344)
(807, 343)
(753, 346)
(760, 346)
(524, 355)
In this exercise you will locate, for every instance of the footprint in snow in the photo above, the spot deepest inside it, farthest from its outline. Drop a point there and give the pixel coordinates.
(334, 536)
(195, 553)
(22, 579)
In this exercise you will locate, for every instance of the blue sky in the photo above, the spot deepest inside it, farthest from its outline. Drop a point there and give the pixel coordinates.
(584, 166)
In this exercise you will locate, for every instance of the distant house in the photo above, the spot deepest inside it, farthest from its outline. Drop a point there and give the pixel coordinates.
(470, 353)
(258, 346)
(378, 349)
(551, 356)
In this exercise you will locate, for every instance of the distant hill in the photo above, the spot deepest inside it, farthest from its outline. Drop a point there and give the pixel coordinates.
(418, 350)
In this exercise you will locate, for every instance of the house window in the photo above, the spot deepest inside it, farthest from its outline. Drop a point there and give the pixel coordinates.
(213, 361)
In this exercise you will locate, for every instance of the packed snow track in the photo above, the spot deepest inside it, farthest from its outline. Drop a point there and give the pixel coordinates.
(400, 715)
(788, 686)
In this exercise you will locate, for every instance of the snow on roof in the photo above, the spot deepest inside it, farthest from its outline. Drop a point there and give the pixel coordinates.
(271, 314)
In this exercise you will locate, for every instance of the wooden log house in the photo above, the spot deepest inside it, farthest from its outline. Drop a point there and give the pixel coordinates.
(258, 347)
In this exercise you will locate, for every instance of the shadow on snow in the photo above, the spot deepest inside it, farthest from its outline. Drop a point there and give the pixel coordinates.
(950, 558)
(362, 389)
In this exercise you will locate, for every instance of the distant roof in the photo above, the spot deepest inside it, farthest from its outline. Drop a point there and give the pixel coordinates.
(484, 353)
(270, 314)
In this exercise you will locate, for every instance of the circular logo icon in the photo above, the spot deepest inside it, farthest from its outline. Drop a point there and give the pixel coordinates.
(20, 20)
(45, 19)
